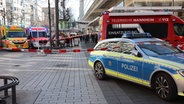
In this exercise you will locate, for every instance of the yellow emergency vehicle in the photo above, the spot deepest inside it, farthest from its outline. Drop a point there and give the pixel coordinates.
(14, 37)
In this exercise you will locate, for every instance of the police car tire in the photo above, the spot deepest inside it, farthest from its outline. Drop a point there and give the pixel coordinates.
(99, 71)
(161, 80)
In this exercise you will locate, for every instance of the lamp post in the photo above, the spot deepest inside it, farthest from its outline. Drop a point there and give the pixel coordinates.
(57, 21)
(49, 24)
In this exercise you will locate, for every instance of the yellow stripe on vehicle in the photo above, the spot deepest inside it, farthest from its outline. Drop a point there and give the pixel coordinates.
(127, 77)
(111, 72)
(90, 63)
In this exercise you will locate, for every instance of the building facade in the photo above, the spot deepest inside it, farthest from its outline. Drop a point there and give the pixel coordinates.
(21, 12)
(2, 12)
(46, 17)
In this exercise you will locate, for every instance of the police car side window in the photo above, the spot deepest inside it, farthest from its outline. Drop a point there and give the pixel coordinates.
(127, 47)
(101, 46)
(116, 47)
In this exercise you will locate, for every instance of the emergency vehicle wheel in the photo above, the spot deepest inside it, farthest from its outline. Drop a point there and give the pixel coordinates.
(165, 86)
(99, 71)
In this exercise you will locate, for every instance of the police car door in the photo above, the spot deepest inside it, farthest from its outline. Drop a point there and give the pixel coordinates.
(110, 58)
(129, 66)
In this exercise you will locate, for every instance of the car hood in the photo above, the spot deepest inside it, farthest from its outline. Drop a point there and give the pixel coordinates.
(176, 60)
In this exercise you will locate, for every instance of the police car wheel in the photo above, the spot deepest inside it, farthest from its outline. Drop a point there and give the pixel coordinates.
(165, 87)
(99, 71)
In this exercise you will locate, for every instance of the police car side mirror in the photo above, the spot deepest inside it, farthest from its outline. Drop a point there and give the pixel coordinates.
(136, 53)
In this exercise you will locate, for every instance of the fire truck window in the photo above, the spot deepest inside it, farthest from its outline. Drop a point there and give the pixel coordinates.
(158, 30)
(179, 29)
(117, 32)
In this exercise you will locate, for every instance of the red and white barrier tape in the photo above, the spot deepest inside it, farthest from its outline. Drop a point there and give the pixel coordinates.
(49, 51)
(58, 50)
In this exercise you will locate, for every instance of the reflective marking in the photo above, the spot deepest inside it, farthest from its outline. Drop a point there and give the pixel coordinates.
(129, 67)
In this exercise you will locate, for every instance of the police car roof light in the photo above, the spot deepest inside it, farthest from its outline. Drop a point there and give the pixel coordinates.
(136, 35)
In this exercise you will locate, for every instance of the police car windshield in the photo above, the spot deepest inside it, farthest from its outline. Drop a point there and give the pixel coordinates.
(157, 49)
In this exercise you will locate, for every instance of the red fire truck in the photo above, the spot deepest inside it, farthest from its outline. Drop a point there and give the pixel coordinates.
(159, 21)
(38, 37)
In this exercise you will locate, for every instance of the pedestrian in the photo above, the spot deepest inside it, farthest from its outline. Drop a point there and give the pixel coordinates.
(99, 36)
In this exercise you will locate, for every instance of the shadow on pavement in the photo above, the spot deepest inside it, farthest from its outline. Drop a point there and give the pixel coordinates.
(117, 91)
(23, 96)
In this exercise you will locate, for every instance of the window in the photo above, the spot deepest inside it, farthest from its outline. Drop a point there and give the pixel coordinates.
(100, 46)
(16, 34)
(117, 32)
(109, 46)
(179, 29)
(126, 47)
(40, 34)
(158, 30)
(157, 49)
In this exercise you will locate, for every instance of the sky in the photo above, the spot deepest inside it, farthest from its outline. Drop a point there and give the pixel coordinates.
(73, 4)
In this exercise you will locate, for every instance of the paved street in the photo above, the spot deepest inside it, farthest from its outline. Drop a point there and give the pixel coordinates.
(67, 79)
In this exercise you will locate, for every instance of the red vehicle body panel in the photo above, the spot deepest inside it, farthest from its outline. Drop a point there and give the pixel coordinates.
(169, 20)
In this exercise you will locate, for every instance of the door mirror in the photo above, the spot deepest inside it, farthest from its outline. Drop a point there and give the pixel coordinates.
(136, 53)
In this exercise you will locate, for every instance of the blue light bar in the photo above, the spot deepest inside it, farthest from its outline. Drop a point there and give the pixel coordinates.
(8, 26)
(136, 35)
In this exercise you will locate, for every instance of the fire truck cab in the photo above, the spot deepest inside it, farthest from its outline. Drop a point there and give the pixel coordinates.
(160, 22)
(38, 37)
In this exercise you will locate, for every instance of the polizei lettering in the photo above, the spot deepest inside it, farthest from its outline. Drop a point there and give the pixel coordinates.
(129, 67)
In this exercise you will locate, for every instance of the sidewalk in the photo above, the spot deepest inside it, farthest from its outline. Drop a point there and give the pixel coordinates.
(53, 79)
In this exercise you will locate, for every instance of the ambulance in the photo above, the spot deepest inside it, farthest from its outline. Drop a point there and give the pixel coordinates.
(160, 22)
(14, 37)
(38, 37)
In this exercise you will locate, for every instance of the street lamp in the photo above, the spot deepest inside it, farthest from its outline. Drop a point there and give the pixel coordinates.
(49, 24)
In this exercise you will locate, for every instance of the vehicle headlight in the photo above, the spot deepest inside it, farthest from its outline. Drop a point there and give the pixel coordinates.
(181, 72)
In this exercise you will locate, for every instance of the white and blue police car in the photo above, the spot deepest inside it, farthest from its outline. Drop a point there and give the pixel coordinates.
(141, 59)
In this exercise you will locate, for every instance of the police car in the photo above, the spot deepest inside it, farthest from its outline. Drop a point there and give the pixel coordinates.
(141, 59)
